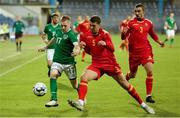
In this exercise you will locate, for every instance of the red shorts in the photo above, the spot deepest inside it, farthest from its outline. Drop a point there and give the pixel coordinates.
(137, 59)
(110, 69)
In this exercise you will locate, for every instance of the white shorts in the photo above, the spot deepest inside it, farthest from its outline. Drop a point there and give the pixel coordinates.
(170, 33)
(69, 69)
(50, 54)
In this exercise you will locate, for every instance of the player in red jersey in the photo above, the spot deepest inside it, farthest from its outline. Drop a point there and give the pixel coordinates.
(97, 42)
(140, 50)
(122, 27)
(83, 28)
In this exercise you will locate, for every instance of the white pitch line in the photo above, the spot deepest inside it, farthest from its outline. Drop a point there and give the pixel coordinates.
(19, 66)
(10, 56)
(17, 53)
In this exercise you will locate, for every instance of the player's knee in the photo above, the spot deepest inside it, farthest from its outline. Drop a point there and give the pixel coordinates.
(49, 63)
(84, 78)
(54, 73)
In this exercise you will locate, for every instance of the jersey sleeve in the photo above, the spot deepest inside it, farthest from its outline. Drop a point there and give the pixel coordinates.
(152, 33)
(46, 29)
(23, 25)
(73, 37)
(126, 31)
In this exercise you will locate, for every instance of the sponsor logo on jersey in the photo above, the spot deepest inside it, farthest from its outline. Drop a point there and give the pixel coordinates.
(65, 36)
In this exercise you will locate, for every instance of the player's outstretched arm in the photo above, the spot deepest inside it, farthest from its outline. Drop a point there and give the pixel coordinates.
(76, 49)
(47, 45)
(155, 37)
(42, 49)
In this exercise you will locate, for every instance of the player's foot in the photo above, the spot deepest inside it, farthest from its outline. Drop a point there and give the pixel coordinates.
(76, 104)
(148, 109)
(150, 99)
(52, 103)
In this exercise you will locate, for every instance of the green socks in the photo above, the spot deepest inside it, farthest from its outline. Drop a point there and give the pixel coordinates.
(171, 41)
(53, 89)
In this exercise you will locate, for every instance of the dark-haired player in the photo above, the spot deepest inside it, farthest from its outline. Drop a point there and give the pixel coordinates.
(97, 42)
(140, 50)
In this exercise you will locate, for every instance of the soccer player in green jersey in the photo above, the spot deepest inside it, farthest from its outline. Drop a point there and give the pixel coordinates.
(50, 31)
(18, 28)
(170, 27)
(66, 48)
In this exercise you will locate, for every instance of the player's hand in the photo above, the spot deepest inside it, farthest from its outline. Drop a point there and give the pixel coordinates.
(123, 44)
(41, 49)
(76, 51)
(161, 43)
(101, 43)
(82, 44)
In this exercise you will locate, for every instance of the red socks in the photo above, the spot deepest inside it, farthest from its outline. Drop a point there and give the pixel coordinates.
(149, 83)
(134, 94)
(83, 90)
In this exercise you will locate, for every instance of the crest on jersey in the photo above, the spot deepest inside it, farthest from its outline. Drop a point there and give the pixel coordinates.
(65, 36)
(146, 24)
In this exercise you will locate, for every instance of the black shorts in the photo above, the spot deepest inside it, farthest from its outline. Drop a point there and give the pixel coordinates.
(18, 35)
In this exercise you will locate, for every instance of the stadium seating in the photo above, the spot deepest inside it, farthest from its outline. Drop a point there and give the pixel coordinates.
(119, 9)
(6, 20)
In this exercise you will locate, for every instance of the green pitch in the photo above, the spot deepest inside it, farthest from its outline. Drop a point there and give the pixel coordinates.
(20, 71)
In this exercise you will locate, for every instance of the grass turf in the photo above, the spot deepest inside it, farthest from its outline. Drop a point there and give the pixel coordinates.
(20, 71)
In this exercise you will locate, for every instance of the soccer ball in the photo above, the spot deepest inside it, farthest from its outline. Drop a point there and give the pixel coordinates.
(40, 89)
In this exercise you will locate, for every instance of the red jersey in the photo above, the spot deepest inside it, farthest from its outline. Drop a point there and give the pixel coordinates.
(83, 27)
(137, 35)
(100, 54)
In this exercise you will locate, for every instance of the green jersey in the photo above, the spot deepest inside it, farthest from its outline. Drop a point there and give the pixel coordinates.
(50, 30)
(64, 47)
(171, 23)
(75, 24)
(18, 27)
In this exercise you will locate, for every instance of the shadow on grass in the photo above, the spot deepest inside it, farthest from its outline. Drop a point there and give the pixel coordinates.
(79, 113)
(159, 112)
(64, 87)
(165, 113)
